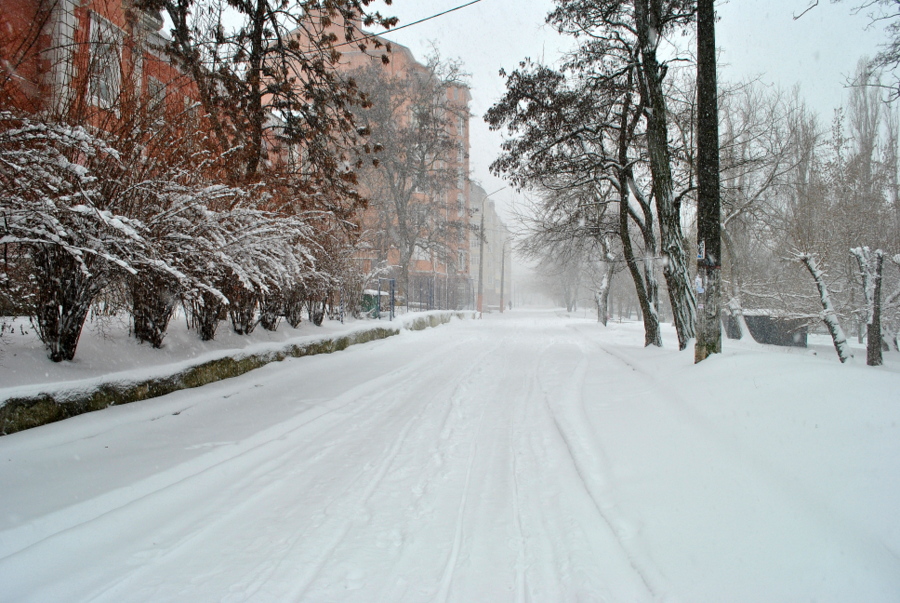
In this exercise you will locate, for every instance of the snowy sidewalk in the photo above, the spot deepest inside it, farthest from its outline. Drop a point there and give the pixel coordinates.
(113, 368)
(522, 457)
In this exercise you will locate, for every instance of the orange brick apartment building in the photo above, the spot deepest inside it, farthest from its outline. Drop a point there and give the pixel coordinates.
(432, 282)
(94, 61)
(85, 60)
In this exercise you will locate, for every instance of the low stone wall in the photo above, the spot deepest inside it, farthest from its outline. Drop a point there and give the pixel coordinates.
(17, 414)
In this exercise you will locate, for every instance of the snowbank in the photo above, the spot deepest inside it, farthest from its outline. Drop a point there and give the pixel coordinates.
(41, 400)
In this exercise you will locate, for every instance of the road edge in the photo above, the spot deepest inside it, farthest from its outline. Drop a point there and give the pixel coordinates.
(25, 412)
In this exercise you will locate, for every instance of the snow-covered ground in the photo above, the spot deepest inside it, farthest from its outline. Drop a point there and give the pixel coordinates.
(525, 457)
(107, 351)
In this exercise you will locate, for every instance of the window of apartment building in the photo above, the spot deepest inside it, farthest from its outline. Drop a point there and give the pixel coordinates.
(420, 255)
(156, 98)
(460, 178)
(461, 125)
(418, 214)
(190, 107)
(105, 62)
(461, 260)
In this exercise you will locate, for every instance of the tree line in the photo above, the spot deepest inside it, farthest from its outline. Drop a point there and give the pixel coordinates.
(607, 142)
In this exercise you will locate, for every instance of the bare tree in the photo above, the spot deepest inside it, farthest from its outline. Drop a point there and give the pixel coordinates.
(757, 158)
(584, 132)
(621, 35)
(829, 316)
(410, 119)
(276, 105)
(570, 232)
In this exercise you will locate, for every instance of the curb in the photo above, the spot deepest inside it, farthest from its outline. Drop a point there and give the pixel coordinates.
(20, 413)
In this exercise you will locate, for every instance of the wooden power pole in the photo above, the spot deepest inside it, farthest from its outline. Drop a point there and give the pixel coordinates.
(709, 245)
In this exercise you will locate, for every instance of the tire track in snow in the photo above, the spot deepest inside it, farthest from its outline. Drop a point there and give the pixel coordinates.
(521, 584)
(454, 386)
(450, 567)
(250, 483)
(517, 433)
(567, 554)
(578, 446)
(59, 522)
(360, 510)
(264, 447)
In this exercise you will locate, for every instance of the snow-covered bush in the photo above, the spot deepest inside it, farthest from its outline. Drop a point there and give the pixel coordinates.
(186, 236)
(68, 241)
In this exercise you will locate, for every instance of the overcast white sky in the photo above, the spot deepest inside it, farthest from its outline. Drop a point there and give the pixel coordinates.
(757, 38)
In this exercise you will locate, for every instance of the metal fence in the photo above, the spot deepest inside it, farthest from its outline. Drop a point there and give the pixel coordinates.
(431, 291)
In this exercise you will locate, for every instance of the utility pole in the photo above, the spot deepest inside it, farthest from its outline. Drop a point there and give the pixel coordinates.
(502, 272)
(481, 262)
(709, 257)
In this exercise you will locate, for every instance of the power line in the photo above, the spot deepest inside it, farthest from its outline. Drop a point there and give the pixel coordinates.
(434, 16)
(441, 14)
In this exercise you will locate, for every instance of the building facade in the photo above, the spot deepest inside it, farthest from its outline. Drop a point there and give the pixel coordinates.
(93, 62)
(416, 228)
(492, 268)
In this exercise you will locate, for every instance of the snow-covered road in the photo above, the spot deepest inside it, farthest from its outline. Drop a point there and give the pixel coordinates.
(526, 457)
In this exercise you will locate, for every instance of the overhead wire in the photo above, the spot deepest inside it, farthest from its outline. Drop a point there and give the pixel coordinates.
(390, 31)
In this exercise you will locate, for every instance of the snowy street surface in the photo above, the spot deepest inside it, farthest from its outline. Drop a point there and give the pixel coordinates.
(525, 457)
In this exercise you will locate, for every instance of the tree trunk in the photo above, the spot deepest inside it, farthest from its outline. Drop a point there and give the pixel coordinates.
(271, 308)
(316, 311)
(293, 306)
(205, 314)
(64, 297)
(404, 276)
(603, 294)
(735, 304)
(242, 304)
(652, 334)
(681, 297)
(709, 257)
(874, 345)
(829, 316)
(871, 281)
(153, 302)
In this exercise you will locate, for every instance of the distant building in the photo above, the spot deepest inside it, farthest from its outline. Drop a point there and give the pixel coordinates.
(434, 281)
(496, 269)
